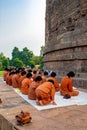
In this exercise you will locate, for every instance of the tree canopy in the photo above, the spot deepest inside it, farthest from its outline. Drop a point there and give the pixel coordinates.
(21, 58)
(4, 62)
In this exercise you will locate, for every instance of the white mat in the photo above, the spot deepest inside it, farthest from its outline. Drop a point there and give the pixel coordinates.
(81, 99)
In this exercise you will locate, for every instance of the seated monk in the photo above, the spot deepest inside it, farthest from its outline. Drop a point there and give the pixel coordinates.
(31, 93)
(45, 93)
(6, 71)
(66, 86)
(26, 83)
(9, 78)
(56, 84)
(44, 76)
(15, 79)
(21, 78)
(34, 74)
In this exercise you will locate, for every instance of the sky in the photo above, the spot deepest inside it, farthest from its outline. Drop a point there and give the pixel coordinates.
(22, 24)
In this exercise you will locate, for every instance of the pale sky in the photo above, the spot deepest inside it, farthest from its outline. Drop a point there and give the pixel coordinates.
(22, 24)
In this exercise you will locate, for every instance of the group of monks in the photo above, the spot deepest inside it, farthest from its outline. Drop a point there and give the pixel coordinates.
(39, 85)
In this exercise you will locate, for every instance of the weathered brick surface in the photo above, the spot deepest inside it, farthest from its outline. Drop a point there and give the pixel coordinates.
(66, 37)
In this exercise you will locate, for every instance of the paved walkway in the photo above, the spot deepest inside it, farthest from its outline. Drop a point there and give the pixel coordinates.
(64, 118)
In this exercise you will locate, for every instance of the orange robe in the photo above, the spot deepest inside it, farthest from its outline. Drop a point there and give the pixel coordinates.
(32, 88)
(44, 79)
(66, 87)
(45, 92)
(25, 85)
(9, 80)
(56, 84)
(15, 78)
(34, 76)
(21, 78)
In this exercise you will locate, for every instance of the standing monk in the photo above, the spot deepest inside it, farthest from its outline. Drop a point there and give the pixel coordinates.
(67, 86)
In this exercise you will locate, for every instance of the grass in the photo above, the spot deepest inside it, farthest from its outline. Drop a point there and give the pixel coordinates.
(1, 73)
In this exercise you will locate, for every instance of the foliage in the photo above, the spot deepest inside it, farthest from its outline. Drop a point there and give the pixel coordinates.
(25, 55)
(31, 63)
(22, 59)
(4, 61)
(37, 59)
(17, 63)
(15, 53)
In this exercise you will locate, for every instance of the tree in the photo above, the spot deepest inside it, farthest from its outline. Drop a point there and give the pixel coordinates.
(1, 56)
(4, 61)
(15, 53)
(31, 63)
(38, 60)
(26, 55)
(17, 63)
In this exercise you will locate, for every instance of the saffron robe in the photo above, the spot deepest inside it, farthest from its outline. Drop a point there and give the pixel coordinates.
(32, 88)
(25, 85)
(45, 92)
(66, 87)
(56, 84)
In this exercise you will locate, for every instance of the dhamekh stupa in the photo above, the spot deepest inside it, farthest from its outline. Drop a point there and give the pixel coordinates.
(66, 39)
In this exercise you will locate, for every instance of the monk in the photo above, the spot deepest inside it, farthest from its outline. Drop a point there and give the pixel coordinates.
(6, 72)
(56, 84)
(44, 76)
(34, 74)
(21, 78)
(9, 78)
(31, 93)
(26, 84)
(15, 78)
(45, 93)
(66, 86)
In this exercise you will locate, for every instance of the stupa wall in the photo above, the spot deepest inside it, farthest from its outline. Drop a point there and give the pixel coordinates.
(66, 38)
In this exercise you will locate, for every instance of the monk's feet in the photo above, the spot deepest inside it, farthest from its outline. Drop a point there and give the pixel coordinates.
(41, 103)
(37, 102)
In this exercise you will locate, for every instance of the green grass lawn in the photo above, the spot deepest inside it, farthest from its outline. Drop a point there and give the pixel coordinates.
(1, 73)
